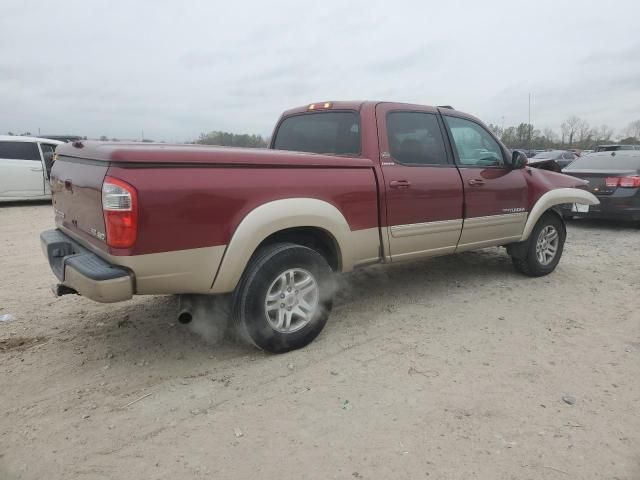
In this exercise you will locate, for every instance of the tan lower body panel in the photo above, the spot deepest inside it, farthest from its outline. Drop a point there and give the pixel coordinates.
(366, 246)
(181, 271)
(407, 242)
(481, 232)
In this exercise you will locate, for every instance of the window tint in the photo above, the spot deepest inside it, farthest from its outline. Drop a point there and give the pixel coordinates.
(415, 138)
(473, 143)
(19, 150)
(568, 156)
(335, 133)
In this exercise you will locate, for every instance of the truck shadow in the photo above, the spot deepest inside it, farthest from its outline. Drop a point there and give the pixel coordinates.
(147, 328)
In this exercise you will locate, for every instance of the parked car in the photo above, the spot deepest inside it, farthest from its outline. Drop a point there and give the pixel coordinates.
(344, 184)
(554, 160)
(616, 147)
(25, 163)
(614, 177)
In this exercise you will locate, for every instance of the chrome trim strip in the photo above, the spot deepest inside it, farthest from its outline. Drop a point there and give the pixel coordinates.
(427, 228)
(495, 220)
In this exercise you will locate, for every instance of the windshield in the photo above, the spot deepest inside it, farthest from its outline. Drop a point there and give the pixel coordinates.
(336, 133)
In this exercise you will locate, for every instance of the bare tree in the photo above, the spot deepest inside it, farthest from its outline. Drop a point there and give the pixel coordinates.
(633, 129)
(549, 138)
(602, 134)
(569, 128)
(584, 132)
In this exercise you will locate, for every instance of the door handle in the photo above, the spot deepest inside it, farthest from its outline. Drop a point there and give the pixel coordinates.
(35, 169)
(400, 184)
(476, 182)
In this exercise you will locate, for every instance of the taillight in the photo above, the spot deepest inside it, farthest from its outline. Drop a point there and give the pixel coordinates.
(612, 182)
(120, 207)
(630, 182)
(624, 182)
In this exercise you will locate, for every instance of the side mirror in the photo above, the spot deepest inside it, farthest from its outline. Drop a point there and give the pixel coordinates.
(518, 160)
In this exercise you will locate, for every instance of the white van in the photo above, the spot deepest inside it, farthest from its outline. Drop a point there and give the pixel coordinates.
(25, 163)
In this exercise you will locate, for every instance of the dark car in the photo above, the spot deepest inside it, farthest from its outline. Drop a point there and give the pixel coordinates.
(614, 177)
(554, 160)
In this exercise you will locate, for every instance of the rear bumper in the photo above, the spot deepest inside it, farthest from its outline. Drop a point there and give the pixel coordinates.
(83, 271)
(609, 208)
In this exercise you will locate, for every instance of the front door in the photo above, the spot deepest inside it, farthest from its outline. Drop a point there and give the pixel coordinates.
(495, 195)
(423, 188)
(21, 172)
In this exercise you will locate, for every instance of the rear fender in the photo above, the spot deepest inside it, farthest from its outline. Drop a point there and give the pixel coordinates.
(273, 217)
(553, 198)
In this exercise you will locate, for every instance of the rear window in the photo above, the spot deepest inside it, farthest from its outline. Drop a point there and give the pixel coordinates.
(606, 162)
(336, 133)
(19, 150)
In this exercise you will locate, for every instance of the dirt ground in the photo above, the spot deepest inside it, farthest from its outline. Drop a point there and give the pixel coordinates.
(451, 368)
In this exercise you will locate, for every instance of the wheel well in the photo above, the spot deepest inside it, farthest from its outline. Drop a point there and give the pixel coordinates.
(313, 237)
(555, 210)
(519, 249)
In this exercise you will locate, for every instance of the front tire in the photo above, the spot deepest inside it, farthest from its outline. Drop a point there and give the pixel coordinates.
(544, 247)
(284, 298)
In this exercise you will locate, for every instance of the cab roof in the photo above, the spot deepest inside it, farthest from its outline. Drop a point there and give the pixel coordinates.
(358, 105)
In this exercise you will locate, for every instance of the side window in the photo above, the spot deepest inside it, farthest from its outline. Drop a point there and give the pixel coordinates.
(47, 148)
(475, 146)
(19, 150)
(415, 138)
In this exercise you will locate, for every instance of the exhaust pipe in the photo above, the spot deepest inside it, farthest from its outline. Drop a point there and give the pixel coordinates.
(206, 315)
(185, 317)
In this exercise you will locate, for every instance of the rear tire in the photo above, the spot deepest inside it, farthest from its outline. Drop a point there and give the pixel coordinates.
(284, 298)
(544, 247)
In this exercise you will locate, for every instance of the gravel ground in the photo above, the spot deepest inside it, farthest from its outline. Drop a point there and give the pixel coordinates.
(452, 368)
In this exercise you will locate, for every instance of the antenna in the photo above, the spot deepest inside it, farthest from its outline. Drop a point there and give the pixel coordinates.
(529, 124)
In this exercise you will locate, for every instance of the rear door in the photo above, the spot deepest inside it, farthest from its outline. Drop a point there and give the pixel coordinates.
(423, 188)
(495, 195)
(21, 172)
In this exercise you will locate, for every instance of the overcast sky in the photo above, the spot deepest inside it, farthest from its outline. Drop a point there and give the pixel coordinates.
(179, 68)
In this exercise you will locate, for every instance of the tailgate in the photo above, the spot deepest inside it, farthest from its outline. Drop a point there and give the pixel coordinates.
(76, 187)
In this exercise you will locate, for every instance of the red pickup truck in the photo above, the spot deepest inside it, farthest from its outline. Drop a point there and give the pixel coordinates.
(343, 184)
